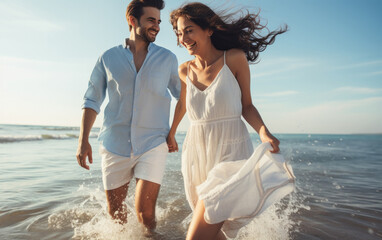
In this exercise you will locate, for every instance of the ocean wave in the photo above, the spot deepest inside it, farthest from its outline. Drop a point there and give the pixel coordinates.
(12, 139)
(62, 128)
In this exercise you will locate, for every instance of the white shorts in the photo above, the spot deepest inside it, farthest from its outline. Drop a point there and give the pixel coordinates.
(118, 170)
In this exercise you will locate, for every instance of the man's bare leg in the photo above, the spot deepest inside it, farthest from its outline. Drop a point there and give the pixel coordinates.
(146, 194)
(115, 203)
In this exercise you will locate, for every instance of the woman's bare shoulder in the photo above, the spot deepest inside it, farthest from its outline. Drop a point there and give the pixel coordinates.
(182, 70)
(235, 54)
(236, 59)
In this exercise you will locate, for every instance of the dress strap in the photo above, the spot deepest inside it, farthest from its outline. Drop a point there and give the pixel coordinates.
(188, 68)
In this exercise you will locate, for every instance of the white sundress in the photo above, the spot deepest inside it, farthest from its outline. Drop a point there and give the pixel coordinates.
(219, 165)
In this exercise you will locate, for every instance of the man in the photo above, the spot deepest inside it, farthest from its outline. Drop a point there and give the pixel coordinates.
(136, 77)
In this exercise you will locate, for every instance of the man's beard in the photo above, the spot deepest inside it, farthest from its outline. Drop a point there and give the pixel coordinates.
(143, 34)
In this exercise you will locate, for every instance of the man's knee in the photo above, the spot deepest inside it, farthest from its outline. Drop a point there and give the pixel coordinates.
(113, 208)
(117, 211)
(147, 217)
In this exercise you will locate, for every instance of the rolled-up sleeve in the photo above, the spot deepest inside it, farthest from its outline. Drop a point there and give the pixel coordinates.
(95, 94)
(174, 83)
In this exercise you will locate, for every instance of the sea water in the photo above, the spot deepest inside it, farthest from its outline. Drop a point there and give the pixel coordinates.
(45, 194)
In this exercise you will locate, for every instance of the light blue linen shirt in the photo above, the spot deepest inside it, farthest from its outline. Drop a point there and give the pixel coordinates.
(136, 118)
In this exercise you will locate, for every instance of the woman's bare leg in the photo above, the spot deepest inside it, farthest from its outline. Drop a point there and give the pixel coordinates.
(199, 229)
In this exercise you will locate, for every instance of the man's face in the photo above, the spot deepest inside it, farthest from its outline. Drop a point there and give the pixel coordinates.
(148, 24)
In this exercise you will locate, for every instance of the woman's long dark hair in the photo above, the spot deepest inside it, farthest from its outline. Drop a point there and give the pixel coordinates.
(242, 33)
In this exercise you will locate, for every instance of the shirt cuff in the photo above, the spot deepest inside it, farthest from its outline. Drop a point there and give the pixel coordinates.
(92, 105)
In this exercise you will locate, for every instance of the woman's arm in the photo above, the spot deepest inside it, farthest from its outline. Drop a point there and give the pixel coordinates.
(237, 62)
(180, 109)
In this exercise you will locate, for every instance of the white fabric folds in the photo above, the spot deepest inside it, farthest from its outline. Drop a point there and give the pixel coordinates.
(241, 190)
(219, 165)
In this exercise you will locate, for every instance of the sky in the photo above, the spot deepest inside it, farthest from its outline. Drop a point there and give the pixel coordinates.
(324, 75)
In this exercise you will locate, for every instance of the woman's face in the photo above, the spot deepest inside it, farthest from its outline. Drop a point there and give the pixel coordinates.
(191, 36)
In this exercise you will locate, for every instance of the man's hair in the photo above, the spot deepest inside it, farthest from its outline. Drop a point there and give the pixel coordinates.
(135, 8)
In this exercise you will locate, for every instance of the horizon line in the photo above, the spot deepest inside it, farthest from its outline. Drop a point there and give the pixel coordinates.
(295, 133)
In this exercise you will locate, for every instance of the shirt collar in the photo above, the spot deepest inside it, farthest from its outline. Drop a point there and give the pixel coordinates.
(125, 45)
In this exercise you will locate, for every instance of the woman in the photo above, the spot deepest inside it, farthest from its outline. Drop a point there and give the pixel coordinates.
(216, 93)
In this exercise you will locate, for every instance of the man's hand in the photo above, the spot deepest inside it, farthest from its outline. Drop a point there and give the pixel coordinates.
(171, 143)
(84, 150)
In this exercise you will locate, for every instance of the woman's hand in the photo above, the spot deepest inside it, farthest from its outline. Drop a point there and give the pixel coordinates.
(266, 136)
(171, 143)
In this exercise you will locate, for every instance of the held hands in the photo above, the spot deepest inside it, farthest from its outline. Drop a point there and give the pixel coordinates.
(84, 150)
(171, 143)
(266, 136)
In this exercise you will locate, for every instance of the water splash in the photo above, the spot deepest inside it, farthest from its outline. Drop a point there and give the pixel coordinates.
(88, 218)
(277, 222)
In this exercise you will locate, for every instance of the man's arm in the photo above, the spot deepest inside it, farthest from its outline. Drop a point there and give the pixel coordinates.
(174, 84)
(84, 149)
(94, 96)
